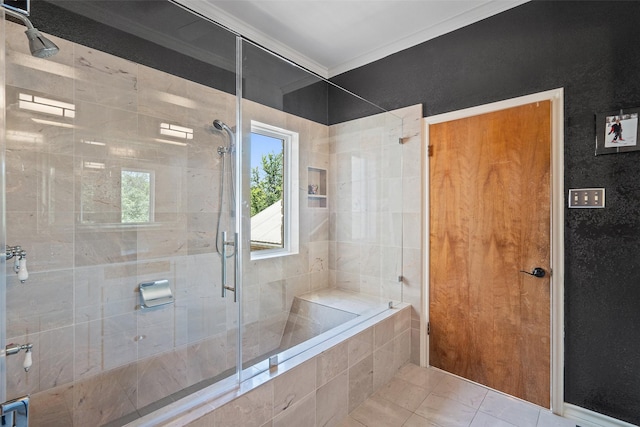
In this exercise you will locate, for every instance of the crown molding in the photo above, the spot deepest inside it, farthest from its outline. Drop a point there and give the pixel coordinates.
(232, 23)
(483, 11)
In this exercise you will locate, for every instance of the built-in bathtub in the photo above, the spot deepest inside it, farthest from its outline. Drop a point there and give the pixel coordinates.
(336, 349)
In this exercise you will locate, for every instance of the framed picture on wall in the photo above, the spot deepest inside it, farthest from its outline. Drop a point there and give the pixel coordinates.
(617, 131)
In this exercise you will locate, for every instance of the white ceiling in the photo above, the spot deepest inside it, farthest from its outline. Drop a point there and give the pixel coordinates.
(330, 37)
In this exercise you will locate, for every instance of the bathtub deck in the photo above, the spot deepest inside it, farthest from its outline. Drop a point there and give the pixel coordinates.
(351, 302)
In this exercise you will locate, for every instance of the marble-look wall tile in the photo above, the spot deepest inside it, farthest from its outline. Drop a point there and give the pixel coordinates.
(250, 410)
(163, 95)
(104, 79)
(207, 358)
(55, 358)
(332, 401)
(161, 376)
(45, 302)
(105, 397)
(332, 362)
(104, 344)
(300, 414)
(360, 346)
(383, 332)
(293, 386)
(415, 346)
(52, 408)
(383, 365)
(100, 291)
(158, 327)
(360, 382)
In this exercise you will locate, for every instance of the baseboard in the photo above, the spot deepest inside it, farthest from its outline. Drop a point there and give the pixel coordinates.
(586, 418)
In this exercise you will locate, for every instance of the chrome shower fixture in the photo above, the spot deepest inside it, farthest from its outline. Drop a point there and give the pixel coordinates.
(15, 348)
(39, 45)
(221, 126)
(20, 262)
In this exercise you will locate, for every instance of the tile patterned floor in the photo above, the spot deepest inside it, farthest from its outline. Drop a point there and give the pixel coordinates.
(426, 397)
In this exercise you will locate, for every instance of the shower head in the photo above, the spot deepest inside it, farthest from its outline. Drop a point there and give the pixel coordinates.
(221, 126)
(39, 45)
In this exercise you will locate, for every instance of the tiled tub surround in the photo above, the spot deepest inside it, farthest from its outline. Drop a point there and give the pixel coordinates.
(96, 358)
(375, 224)
(319, 387)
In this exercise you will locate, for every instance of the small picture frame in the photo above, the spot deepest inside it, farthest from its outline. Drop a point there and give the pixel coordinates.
(617, 131)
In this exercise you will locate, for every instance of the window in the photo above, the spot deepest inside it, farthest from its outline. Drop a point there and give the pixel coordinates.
(136, 196)
(274, 191)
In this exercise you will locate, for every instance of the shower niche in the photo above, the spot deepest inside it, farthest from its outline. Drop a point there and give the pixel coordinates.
(317, 187)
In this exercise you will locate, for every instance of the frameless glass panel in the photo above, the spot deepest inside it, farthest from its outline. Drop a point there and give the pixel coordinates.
(349, 188)
(117, 185)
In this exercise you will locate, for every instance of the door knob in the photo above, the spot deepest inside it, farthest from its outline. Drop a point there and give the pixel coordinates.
(537, 272)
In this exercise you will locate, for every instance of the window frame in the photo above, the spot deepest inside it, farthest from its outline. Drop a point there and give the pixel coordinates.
(290, 193)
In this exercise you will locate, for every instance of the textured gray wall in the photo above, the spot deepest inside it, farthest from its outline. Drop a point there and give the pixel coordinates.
(591, 49)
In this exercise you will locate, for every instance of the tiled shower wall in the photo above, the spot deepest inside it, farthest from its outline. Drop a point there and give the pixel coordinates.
(97, 358)
(375, 233)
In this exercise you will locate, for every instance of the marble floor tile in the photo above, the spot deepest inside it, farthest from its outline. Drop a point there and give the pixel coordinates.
(462, 391)
(417, 421)
(433, 398)
(350, 422)
(485, 420)
(548, 419)
(422, 377)
(403, 394)
(379, 412)
(446, 412)
(512, 410)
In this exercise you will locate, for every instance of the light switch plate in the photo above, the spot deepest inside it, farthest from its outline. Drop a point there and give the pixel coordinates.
(592, 198)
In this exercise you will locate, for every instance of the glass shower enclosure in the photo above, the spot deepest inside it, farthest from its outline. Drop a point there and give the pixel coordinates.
(187, 208)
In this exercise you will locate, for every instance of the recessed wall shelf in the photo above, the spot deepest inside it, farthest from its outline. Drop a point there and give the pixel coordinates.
(317, 187)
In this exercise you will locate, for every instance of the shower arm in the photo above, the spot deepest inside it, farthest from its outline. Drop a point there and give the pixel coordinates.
(18, 15)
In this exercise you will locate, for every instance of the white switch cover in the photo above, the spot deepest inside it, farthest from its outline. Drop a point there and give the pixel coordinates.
(586, 198)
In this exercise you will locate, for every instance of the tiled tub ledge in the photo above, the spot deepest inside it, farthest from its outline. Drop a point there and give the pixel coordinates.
(319, 387)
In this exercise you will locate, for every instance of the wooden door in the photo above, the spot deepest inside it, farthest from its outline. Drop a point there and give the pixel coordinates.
(489, 219)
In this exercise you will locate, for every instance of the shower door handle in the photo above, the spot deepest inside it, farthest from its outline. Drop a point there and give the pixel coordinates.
(233, 243)
(223, 257)
(235, 266)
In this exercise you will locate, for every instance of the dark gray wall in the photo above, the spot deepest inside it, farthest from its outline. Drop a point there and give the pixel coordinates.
(591, 49)
(150, 32)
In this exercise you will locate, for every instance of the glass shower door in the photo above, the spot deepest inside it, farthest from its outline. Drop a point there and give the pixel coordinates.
(115, 166)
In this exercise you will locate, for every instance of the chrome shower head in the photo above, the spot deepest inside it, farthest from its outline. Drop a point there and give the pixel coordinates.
(221, 126)
(39, 45)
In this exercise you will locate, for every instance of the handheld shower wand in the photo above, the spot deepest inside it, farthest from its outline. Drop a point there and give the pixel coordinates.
(224, 152)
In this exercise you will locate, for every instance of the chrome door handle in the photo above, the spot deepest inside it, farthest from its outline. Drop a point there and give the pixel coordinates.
(235, 266)
(537, 272)
(223, 255)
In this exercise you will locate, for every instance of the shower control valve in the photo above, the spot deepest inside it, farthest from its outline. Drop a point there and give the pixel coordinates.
(15, 348)
(20, 261)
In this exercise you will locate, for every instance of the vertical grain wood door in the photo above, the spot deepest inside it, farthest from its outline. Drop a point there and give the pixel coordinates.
(490, 210)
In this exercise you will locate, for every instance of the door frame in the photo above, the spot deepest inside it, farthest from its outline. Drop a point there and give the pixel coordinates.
(556, 96)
